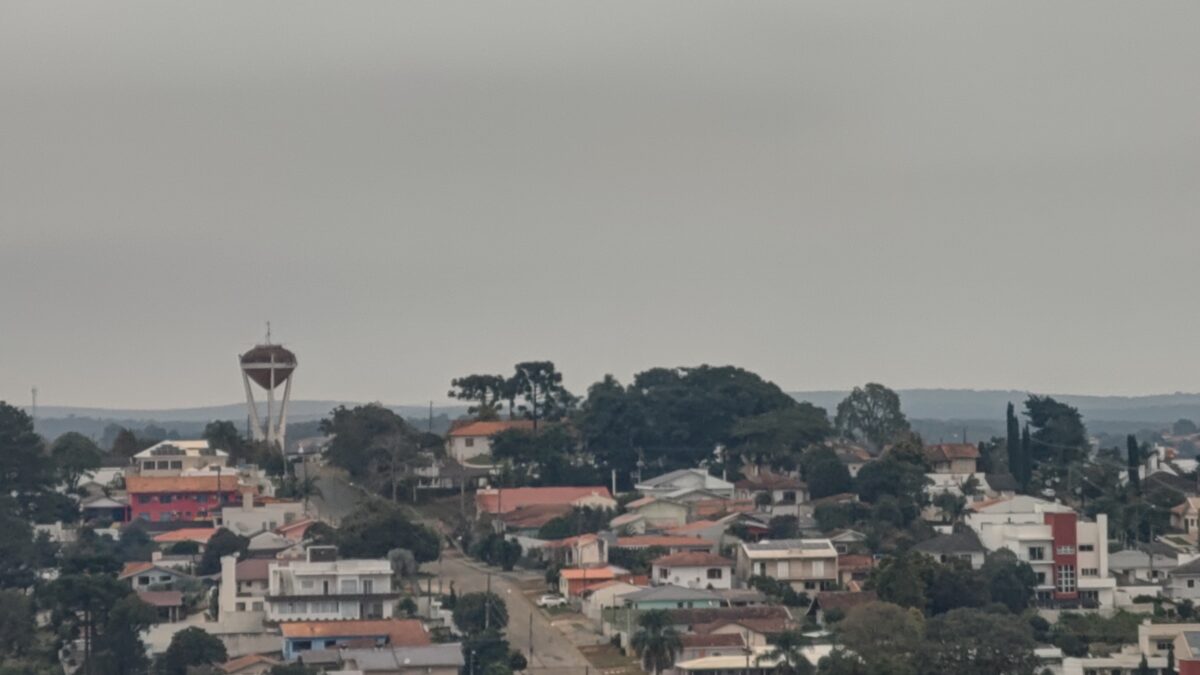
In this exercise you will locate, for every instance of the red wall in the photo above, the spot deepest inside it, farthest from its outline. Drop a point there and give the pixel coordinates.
(1063, 529)
(183, 505)
(1188, 667)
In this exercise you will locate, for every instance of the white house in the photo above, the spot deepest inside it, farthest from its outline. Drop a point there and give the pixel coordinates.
(806, 564)
(684, 479)
(475, 438)
(1069, 555)
(174, 458)
(325, 588)
(1184, 581)
(605, 595)
(693, 570)
(256, 515)
(244, 587)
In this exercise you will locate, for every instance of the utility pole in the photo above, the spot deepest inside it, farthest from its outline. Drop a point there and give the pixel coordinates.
(487, 604)
(531, 638)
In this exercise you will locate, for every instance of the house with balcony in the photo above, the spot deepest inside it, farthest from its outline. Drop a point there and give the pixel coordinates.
(783, 494)
(254, 514)
(805, 564)
(1068, 554)
(692, 570)
(175, 458)
(244, 587)
(1185, 516)
(960, 458)
(324, 588)
(150, 576)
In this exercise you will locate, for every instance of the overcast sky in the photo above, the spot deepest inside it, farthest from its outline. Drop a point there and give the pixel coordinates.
(925, 194)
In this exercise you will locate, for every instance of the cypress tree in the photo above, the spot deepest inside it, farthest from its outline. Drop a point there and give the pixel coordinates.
(1133, 456)
(1026, 458)
(1013, 443)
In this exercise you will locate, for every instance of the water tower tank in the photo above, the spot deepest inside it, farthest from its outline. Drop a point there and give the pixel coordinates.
(257, 364)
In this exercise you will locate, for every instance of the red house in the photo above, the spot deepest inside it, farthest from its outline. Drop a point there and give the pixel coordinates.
(163, 498)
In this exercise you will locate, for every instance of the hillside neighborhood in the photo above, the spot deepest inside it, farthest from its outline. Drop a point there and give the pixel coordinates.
(695, 522)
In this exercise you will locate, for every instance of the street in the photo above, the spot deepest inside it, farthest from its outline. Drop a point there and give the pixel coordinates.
(552, 651)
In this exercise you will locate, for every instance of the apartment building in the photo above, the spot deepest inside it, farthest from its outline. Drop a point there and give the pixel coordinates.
(1068, 554)
(174, 458)
(322, 587)
(806, 564)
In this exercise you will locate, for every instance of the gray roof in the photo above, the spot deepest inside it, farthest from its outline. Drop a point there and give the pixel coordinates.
(396, 658)
(958, 542)
(1193, 640)
(670, 594)
(789, 544)
(670, 476)
(1187, 569)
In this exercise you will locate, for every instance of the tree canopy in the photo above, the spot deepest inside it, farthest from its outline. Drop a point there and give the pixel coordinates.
(871, 413)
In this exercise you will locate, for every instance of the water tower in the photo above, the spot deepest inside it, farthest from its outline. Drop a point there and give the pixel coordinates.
(268, 366)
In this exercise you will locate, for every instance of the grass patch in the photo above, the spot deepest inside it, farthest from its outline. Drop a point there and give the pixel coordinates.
(608, 657)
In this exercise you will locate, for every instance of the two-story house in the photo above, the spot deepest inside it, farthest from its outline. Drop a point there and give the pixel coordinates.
(474, 439)
(322, 587)
(256, 514)
(952, 457)
(1185, 516)
(165, 498)
(806, 564)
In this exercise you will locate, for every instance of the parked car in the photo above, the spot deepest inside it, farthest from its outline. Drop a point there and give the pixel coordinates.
(552, 601)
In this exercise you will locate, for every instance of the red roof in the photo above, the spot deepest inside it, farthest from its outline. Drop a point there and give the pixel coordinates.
(509, 499)
(945, 452)
(854, 563)
(535, 515)
(648, 540)
(234, 665)
(490, 428)
(400, 632)
(153, 484)
(255, 569)
(693, 559)
(592, 573)
(135, 567)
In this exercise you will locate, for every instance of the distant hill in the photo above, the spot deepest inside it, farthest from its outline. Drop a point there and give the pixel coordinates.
(989, 404)
(53, 421)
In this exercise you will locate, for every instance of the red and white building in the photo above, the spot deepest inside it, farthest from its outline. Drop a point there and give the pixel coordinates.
(1068, 554)
(166, 498)
(475, 438)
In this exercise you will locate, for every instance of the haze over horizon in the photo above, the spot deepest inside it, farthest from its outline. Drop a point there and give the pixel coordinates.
(972, 198)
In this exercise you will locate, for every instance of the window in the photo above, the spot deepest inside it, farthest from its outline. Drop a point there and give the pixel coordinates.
(1037, 553)
(202, 498)
(166, 499)
(257, 606)
(163, 517)
(349, 586)
(1164, 645)
(1065, 579)
(368, 586)
(1088, 572)
(145, 499)
(1066, 550)
(714, 573)
(470, 442)
(176, 464)
(1086, 548)
(1191, 583)
(1041, 577)
(809, 585)
(241, 607)
(307, 584)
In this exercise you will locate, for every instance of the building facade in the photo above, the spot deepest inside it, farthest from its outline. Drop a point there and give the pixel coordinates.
(323, 588)
(166, 498)
(806, 564)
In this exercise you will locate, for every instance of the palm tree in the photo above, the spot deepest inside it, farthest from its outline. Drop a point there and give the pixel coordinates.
(787, 654)
(656, 641)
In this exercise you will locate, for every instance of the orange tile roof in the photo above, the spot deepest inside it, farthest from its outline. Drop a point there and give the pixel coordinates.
(200, 535)
(491, 428)
(145, 484)
(234, 665)
(592, 573)
(692, 527)
(400, 632)
(534, 515)
(945, 452)
(511, 499)
(648, 540)
(571, 541)
(135, 567)
(693, 559)
(296, 530)
(855, 562)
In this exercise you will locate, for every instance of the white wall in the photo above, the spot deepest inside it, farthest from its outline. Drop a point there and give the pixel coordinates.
(692, 577)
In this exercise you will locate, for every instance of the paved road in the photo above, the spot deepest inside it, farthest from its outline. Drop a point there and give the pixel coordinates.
(338, 497)
(553, 653)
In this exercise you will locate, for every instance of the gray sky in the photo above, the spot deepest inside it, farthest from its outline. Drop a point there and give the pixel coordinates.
(925, 194)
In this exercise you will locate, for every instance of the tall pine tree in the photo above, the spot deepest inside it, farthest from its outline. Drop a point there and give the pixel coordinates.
(1013, 443)
(1133, 457)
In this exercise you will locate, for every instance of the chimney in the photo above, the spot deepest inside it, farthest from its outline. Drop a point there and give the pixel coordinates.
(247, 500)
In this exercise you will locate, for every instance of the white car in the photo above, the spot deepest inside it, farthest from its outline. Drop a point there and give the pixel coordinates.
(552, 601)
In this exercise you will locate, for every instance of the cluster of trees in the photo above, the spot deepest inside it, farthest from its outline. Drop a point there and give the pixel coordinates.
(1053, 441)
(534, 391)
(580, 520)
(224, 435)
(914, 580)
(481, 617)
(379, 448)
